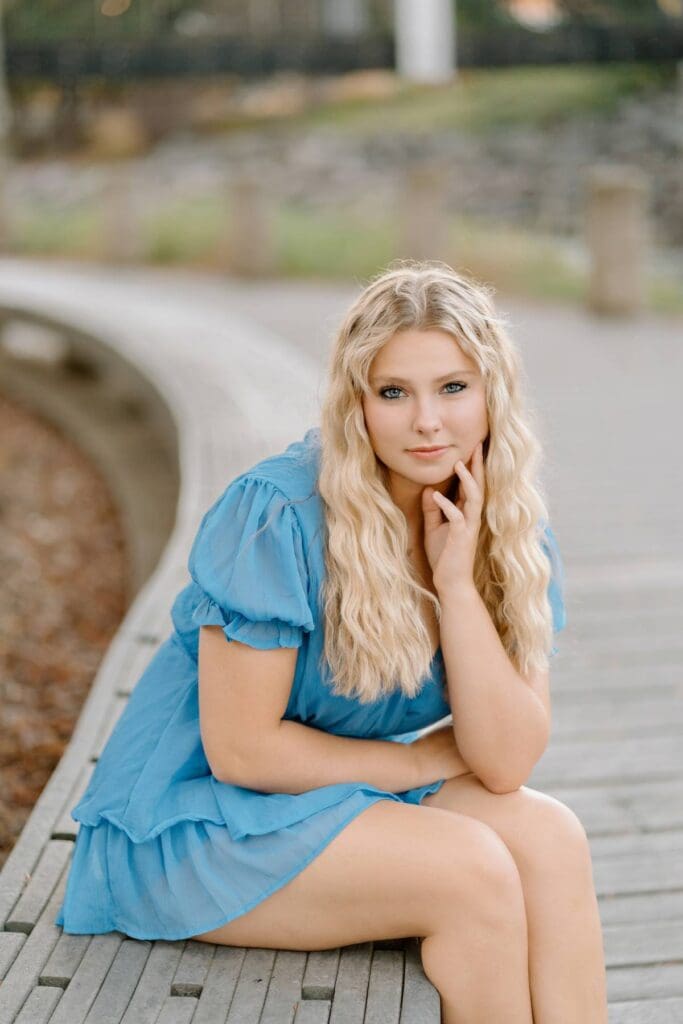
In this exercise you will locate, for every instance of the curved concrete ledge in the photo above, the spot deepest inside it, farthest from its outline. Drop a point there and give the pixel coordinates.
(112, 412)
(231, 394)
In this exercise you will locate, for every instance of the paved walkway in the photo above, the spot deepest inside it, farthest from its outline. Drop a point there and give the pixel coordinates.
(607, 399)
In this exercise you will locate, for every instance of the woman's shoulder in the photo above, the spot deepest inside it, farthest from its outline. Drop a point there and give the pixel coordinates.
(294, 471)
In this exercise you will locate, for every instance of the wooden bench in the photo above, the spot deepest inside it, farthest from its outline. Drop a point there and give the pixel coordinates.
(234, 395)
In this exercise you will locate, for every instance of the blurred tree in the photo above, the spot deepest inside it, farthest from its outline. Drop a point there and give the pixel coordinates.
(5, 129)
(614, 12)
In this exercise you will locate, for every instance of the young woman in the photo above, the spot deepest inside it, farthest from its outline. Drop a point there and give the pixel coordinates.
(266, 785)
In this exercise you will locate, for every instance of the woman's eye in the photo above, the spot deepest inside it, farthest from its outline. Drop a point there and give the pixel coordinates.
(451, 384)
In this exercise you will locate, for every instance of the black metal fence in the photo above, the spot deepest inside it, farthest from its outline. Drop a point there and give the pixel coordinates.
(65, 61)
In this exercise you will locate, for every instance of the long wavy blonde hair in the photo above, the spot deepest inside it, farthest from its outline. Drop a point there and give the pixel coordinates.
(376, 641)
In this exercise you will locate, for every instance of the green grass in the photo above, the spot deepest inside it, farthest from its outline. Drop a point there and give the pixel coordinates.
(343, 244)
(481, 99)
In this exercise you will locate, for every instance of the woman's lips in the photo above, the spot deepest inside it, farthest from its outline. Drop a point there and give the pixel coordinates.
(437, 453)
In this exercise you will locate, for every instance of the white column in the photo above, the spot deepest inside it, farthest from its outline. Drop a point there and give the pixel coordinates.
(424, 31)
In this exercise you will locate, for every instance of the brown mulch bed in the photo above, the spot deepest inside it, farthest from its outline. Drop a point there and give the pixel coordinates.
(64, 573)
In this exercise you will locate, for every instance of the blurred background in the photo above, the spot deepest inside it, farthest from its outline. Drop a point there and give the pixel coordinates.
(536, 144)
(150, 130)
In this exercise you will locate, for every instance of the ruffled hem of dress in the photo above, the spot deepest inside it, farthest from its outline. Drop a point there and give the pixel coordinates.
(265, 636)
(237, 832)
(95, 901)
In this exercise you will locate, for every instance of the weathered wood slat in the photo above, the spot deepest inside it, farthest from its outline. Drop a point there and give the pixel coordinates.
(154, 984)
(193, 968)
(251, 988)
(220, 984)
(350, 991)
(651, 906)
(655, 1011)
(64, 960)
(177, 1010)
(321, 973)
(88, 978)
(65, 827)
(39, 1006)
(609, 760)
(650, 982)
(650, 942)
(10, 944)
(643, 806)
(634, 874)
(120, 983)
(421, 1001)
(640, 844)
(313, 1011)
(23, 975)
(285, 989)
(31, 903)
(385, 987)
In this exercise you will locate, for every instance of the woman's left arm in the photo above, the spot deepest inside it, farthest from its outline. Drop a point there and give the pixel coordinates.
(501, 720)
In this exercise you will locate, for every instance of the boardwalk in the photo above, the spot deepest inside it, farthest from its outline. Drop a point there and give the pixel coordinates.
(608, 407)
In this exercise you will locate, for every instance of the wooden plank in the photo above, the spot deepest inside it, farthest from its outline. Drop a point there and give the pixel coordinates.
(385, 987)
(632, 874)
(313, 1011)
(351, 988)
(65, 827)
(651, 942)
(644, 805)
(285, 989)
(31, 903)
(650, 906)
(177, 1010)
(39, 1006)
(646, 982)
(120, 983)
(22, 976)
(252, 985)
(609, 761)
(88, 978)
(193, 968)
(321, 974)
(154, 984)
(219, 986)
(655, 1011)
(421, 1002)
(10, 944)
(64, 960)
(640, 844)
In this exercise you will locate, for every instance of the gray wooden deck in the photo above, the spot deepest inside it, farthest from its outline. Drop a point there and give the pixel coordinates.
(615, 755)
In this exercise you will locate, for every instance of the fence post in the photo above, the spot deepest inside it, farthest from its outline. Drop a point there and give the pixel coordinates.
(424, 222)
(252, 243)
(616, 237)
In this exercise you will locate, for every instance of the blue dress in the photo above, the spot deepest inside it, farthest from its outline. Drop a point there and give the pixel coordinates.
(165, 850)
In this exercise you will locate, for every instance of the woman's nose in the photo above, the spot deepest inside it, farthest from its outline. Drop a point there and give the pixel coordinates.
(426, 416)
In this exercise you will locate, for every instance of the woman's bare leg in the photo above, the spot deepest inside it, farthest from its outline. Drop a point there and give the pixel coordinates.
(399, 870)
(550, 849)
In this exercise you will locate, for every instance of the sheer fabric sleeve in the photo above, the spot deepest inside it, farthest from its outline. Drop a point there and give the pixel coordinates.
(556, 584)
(249, 563)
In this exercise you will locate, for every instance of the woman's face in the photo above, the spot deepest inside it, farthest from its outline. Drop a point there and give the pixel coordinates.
(424, 391)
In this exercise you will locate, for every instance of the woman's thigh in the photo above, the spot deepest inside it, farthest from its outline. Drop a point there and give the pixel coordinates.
(395, 871)
(538, 829)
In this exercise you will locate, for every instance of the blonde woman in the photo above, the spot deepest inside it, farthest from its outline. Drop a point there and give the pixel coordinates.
(269, 783)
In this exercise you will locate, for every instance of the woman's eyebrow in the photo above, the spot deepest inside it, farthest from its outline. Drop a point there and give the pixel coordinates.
(437, 380)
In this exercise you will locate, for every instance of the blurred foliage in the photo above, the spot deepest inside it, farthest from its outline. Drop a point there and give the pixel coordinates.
(482, 99)
(613, 12)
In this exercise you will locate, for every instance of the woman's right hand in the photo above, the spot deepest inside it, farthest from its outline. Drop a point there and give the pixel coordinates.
(436, 756)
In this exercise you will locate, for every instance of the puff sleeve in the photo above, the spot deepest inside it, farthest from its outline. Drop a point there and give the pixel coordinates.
(556, 584)
(249, 564)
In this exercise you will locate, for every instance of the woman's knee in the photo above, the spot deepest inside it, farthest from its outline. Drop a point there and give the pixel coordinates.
(480, 882)
(554, 839)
